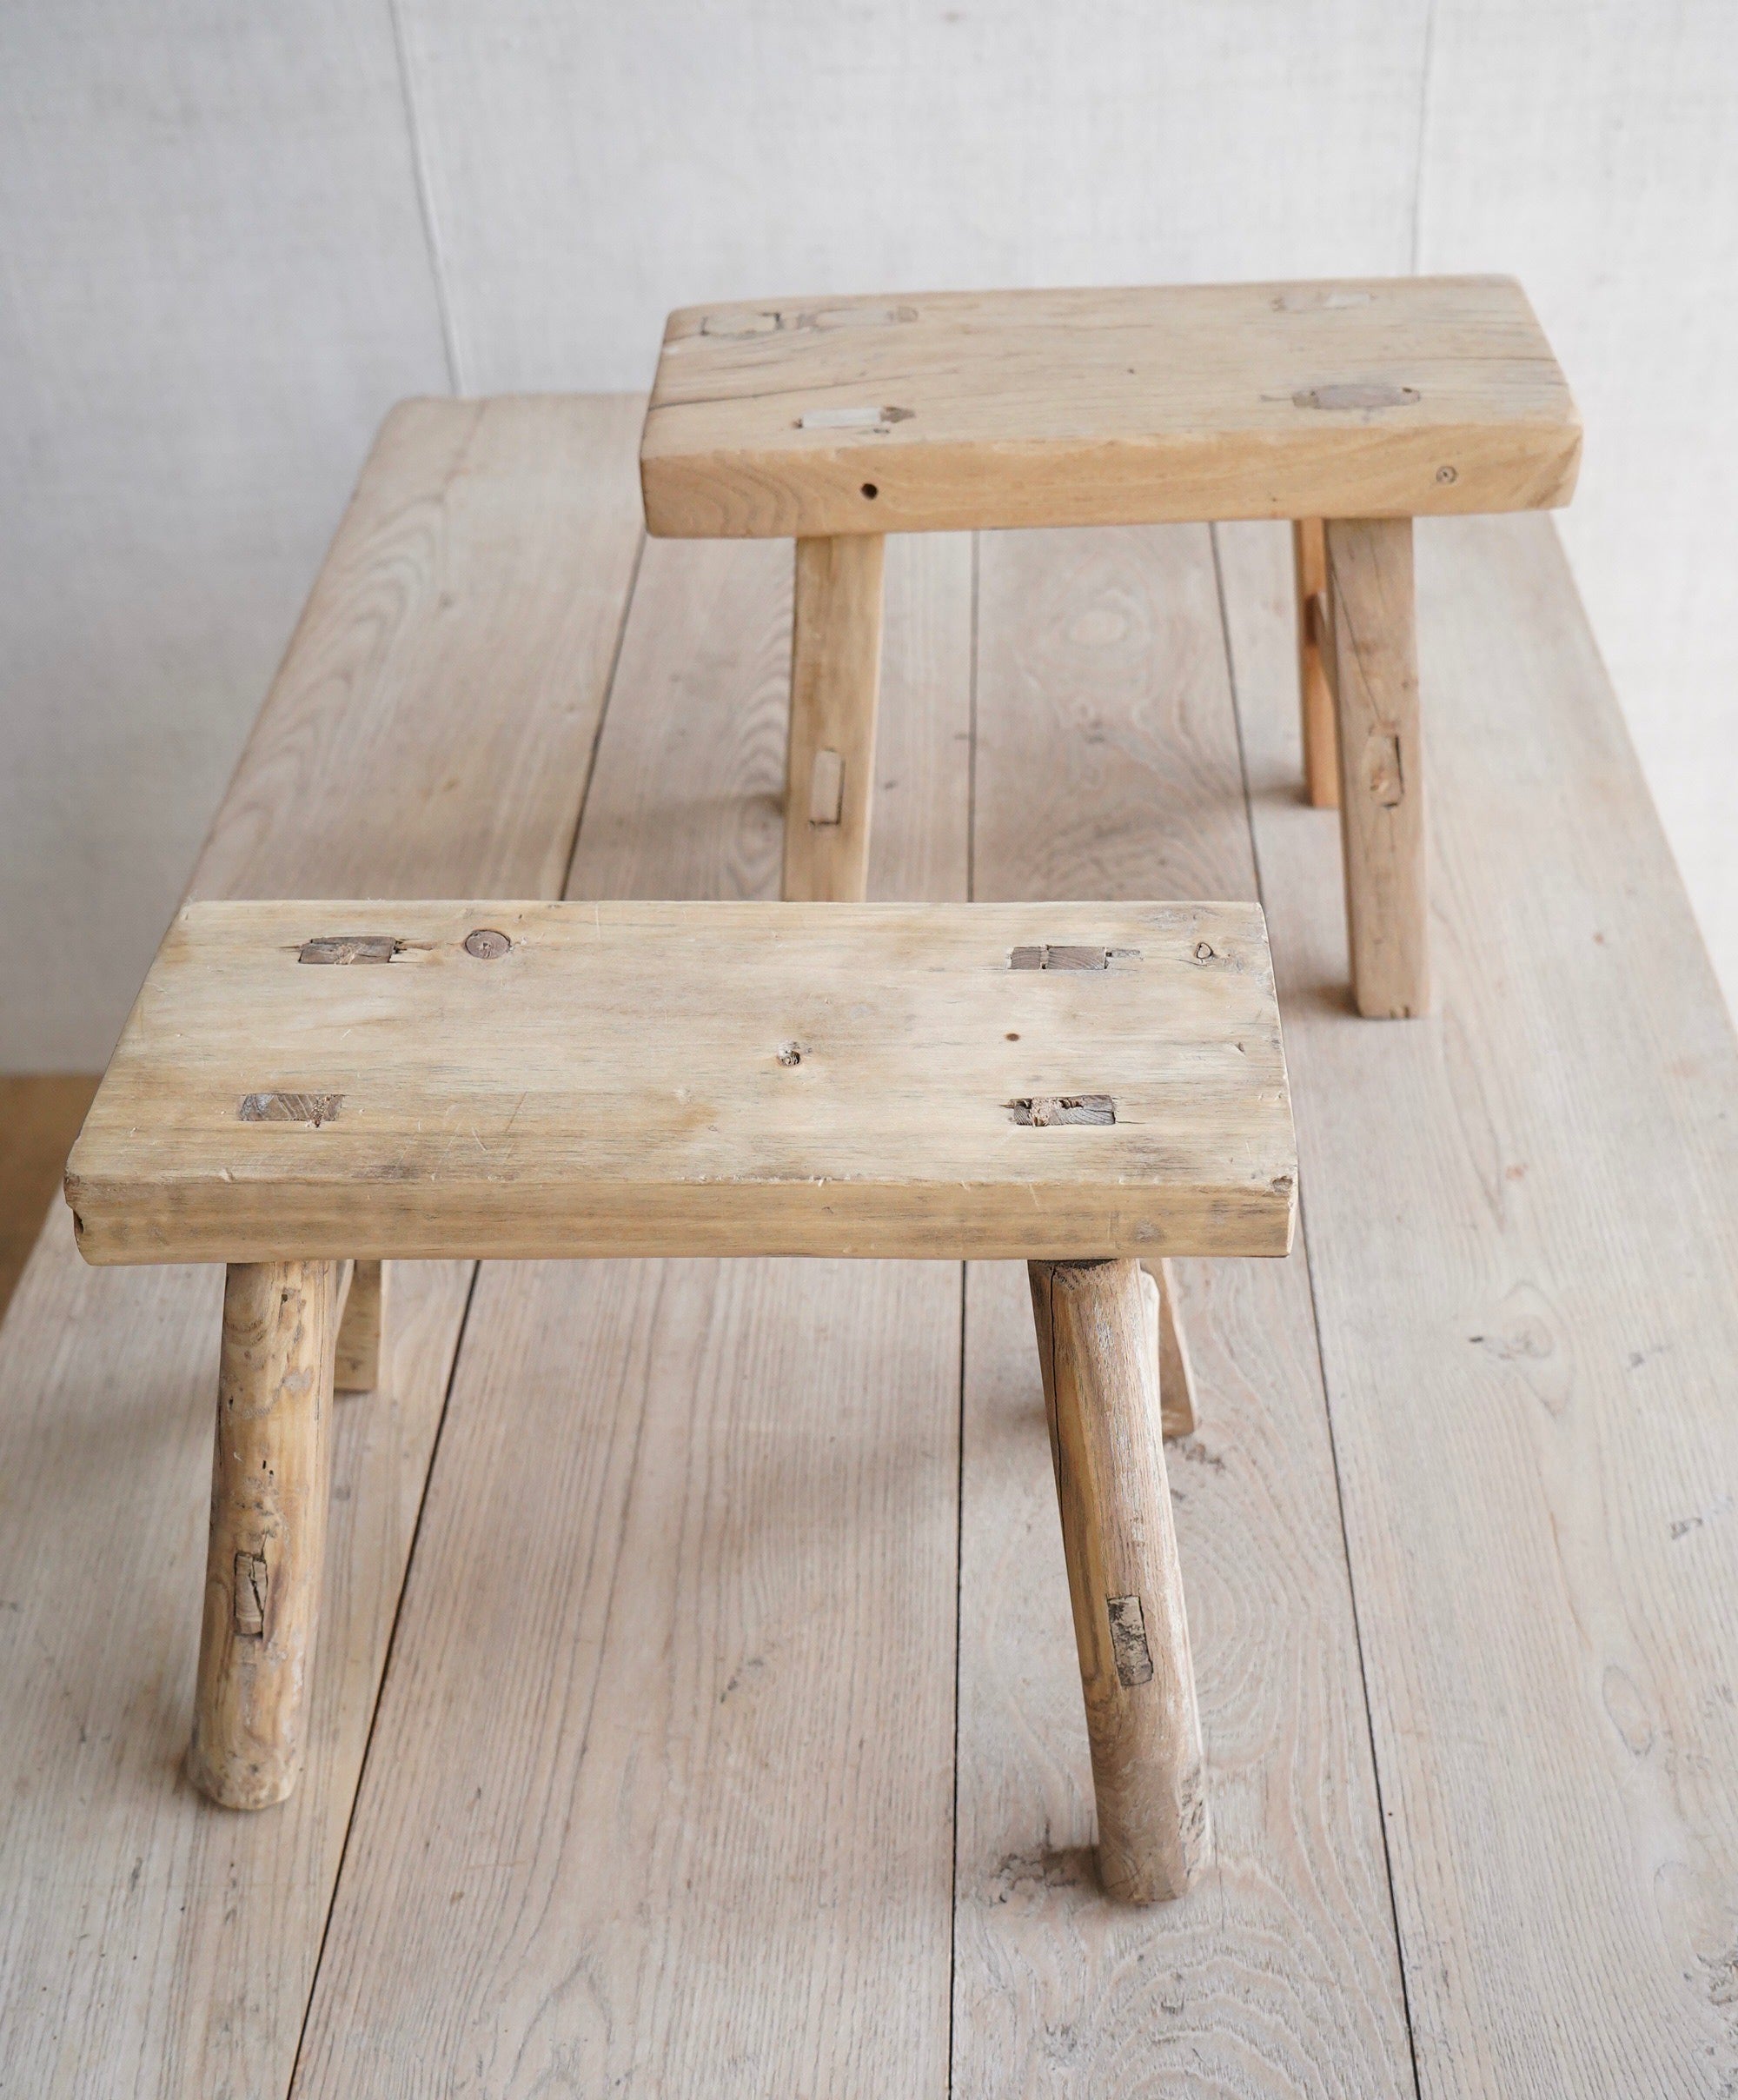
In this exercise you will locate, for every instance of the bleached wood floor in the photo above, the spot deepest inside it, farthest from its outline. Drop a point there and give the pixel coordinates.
(729, 1741)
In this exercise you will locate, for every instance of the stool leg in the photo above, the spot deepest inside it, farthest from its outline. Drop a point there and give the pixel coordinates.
(359, 1366)
(1315, 694)
(268, 1492)
(1175, 1372)
(835, 682)
(1095, 1344)
(1374, 671)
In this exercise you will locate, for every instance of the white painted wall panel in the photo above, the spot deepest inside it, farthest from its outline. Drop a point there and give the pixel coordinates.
(591, 167)
(1591, 147)
(212, 283)
(230, 237)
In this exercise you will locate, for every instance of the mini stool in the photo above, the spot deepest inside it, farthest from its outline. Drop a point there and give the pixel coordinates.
(301, 1087)
(1349, 408)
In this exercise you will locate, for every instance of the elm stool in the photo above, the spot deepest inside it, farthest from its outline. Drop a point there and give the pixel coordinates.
(1349, 408)
(303, 1090)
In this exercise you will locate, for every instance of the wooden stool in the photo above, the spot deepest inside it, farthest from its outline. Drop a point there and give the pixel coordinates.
(304, 1085)
(1349, 408)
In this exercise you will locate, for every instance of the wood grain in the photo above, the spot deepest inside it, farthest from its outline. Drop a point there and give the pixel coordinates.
(171, 1945)
(835, 686)
(1522, 1230)
(662, 1785)
(738, 1078)
(1373, 655)
(1108, 764)
(1373, 397)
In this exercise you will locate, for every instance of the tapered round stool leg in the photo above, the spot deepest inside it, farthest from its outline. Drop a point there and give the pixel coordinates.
(1101, 1388)
(268, 1493)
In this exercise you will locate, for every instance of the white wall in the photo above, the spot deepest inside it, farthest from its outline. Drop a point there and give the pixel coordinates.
(230, 235)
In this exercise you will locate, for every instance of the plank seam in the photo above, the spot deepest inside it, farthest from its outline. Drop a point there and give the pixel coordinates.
(958, 1635)
(1321, 1360)
(385, 1670)
(425, 201)
(573, 853)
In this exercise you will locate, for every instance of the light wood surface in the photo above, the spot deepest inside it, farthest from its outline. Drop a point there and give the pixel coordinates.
(171, 1945)
(1100, 1369)
(662, 1790)
(835, 685)
(695, 1078)
(1521, 1225)
(1374, 658)
(1373, 397)
(1314, 689)
(1108, 760)
(265, 1561)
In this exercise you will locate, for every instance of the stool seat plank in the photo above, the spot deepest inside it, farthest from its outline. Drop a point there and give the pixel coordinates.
(1066, 1080)
(1378, 397)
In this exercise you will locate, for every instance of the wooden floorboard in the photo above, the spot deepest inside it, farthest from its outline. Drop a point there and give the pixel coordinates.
(660, 1795)
(1108, 766)
(1522, 1233)
(429, 732)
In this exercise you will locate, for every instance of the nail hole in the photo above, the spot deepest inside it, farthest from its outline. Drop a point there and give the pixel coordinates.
(871, 490)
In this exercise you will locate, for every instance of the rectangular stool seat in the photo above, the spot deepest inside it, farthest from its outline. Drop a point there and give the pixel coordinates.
(1371, 398)
(320, 1080)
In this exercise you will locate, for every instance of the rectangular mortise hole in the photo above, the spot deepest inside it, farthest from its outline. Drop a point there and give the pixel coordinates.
(1044, 955)
(1128, 1640)
(826, 787)
(1042, 1112)
(250, 1596)
(314, 1108)
(350, 947)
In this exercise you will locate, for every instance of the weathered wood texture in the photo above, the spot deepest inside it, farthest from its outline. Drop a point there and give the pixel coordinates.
(835, 685)
(146, 1934)
(1107, 765)
(1097, 1351)
(1374, 657)
(662, 1782)
(1521, 1229)
(716, 1077)
(1315, 690)
(1378, 397)
(271, 1478)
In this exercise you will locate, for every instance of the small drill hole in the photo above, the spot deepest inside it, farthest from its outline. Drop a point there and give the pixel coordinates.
(871, 490)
